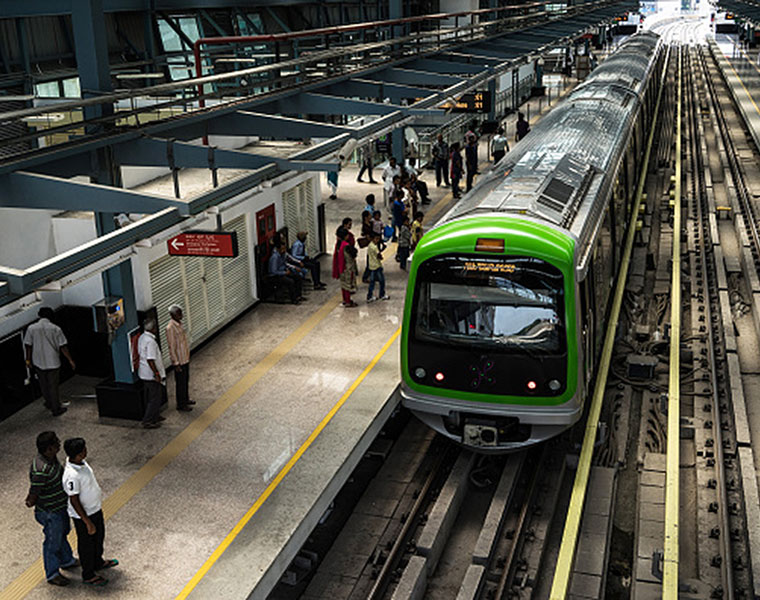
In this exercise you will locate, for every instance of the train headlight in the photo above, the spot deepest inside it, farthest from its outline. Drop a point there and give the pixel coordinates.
(420, 373)
(554, 385)
(439, 376)
(531, 385)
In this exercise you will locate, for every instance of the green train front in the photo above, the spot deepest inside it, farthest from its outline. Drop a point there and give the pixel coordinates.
(489, 348)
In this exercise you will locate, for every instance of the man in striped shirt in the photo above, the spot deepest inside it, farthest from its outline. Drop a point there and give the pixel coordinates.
(50, 504)
(179, 351)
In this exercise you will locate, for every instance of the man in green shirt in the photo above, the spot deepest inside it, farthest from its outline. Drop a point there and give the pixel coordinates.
(50, 502)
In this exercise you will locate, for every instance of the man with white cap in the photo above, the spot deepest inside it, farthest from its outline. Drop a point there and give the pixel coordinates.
(179, 351)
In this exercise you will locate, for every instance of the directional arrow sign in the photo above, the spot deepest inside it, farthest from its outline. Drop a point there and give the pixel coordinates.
(222, 244)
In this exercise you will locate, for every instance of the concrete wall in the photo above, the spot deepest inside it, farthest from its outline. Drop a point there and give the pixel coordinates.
(69, 231)
(19, 249)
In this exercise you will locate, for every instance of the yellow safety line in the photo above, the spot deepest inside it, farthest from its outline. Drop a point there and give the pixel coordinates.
(283, 472)
(34, 574)
(565, 559)
(672, 504)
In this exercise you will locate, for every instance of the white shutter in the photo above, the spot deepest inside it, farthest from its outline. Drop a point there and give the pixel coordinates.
(212, 278)
(167, 288)
(196, 310)
(310, 217)
(290, 211)
(237, 272)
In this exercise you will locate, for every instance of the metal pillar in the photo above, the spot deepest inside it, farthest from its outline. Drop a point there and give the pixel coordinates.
(397, 145)
(91, 47)
(492, 94)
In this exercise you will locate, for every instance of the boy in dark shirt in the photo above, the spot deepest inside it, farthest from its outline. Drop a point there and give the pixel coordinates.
(50, 504)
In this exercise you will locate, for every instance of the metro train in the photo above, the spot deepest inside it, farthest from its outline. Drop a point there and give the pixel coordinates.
(508, 295)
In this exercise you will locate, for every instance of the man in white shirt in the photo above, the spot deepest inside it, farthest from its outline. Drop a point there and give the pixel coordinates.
(152, 375)
(85, 507)
(391, 171)
(44, 342)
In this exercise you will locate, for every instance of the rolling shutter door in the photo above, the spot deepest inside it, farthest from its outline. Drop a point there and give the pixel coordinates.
(309, 213)
(196, 319)
(300, 214)
(237, 272)
(291, 212)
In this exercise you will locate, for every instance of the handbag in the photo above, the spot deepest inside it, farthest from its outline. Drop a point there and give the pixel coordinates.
(363, 242)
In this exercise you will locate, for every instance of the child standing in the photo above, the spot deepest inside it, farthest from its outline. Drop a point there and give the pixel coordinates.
(404, 243)
(417, 228)
(375, 269)
(85, 507)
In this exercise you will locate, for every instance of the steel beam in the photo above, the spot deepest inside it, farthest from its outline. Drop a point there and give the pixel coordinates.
(322, 104)
(272, 126)
(443, 66)
(412, 77)
(32, 190)
(366, 88)
(154, 152)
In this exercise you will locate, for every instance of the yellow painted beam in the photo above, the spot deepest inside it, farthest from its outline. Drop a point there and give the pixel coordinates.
(565, 560)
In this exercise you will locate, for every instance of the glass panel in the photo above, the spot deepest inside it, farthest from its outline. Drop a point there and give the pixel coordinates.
(49, 89)
(511, 303)
(71, 88)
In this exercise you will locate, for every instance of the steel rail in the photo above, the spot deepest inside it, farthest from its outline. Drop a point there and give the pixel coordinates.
(563, 571)
(720, 471)
(672, 471)
(393, 555)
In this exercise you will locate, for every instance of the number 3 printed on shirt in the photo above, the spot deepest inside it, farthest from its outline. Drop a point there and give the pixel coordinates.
(71, 485)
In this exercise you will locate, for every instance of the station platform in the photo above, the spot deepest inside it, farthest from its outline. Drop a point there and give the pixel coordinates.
(217, 502)
(741, 69)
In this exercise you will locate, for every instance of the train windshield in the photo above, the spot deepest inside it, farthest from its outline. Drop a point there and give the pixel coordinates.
(515, 304)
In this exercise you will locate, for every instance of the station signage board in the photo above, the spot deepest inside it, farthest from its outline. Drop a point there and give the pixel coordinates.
(471, 102)
(221, 244)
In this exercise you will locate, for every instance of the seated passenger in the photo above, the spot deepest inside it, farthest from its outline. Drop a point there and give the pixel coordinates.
(298, 252)
(285, 276)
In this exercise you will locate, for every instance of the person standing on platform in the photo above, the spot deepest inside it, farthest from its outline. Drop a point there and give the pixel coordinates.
(85, 507)
(44, 342)
(365, 158)
(441, 161)
(456, 170)
(499, 145)
(471, 160)
(179, 351)
(522, 128)
(50, 504)
(391, 171)
(404, 243)
(152, 375)
(375, 270)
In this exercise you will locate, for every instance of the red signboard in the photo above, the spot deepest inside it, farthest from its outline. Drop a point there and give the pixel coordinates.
(222, 244)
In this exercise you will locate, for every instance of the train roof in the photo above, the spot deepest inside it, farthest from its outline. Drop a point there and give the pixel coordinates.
(561, 162)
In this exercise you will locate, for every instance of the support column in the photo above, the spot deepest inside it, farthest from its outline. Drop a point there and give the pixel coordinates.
(492, 93)
(91, 48)
(397, 145)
